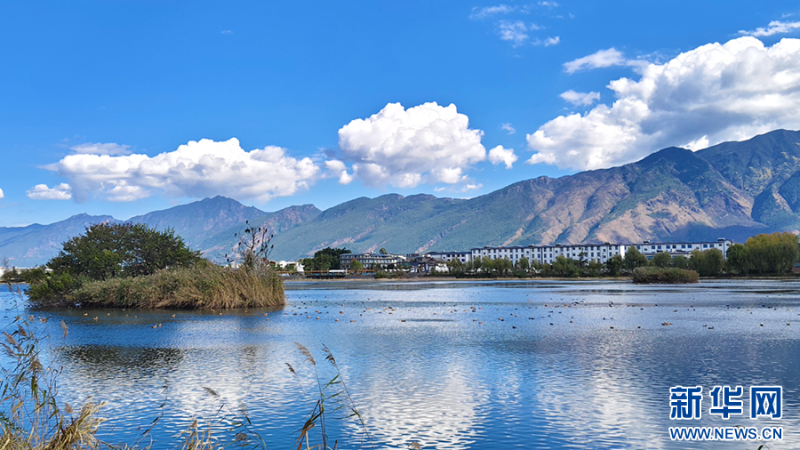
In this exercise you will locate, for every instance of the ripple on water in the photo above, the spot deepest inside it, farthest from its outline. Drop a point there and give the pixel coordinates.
(434, 362)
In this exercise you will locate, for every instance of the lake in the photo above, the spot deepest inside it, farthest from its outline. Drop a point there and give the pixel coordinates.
(450, 365)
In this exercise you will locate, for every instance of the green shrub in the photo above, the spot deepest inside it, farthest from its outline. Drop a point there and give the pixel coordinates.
(658, 275)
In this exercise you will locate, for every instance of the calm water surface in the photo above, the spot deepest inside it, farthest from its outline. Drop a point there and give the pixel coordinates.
(492, 365)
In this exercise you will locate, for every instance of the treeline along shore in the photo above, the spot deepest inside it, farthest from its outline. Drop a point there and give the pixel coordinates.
(762, 255)
(132, 265)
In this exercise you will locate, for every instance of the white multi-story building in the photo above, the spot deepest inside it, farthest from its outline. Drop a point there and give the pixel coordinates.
(464, 257)
(369, 260)
(546, 254)
(650, 249)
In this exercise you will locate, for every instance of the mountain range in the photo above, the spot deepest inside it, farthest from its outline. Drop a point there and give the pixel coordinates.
(733, 190)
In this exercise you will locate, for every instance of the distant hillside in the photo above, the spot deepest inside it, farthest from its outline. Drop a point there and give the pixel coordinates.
(199, 220)
(735, 190)
(207, 225)
(216, 245)
(35, 244)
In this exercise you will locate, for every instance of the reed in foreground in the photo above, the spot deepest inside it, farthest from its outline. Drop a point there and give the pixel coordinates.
(30, 417)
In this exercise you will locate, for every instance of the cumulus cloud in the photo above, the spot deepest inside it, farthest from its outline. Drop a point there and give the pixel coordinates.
(488, 11)
(499, 155)
(774, 27)
(338, 168)
(509, 129)
(1, 193)
(197, 169)
(41, 192)
(600, 59)
(580, 98)
(101, 149)
(708, 95)
(407, 147)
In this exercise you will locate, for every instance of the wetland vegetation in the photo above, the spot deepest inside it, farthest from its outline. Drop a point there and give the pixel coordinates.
(134, 266)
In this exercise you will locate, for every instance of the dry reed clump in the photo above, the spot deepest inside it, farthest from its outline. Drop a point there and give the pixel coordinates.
(208, 286)
(31, 418)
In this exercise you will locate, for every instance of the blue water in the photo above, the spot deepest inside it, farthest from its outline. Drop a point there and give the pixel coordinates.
(566, 367)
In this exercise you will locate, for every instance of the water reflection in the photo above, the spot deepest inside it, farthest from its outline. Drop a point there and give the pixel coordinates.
(450, 365)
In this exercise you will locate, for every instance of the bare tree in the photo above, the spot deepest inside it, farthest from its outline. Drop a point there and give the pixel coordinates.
(253, 248)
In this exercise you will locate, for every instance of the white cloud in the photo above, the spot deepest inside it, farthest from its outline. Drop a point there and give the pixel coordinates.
(471, 187)
(196, 169)
(1, 193)
(580, 98)
(338, 168)
(548, 4)
(515, 31)
(547, 42)
(708, 95)
(697, 144)
(487, 11)
(101, 149)
(600, 59)
(499, 155)
(41, 192)
(508, 128)
(407, 147)
(774, 27)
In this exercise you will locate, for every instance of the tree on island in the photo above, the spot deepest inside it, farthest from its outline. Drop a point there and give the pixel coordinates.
(356, 266)
(122, 250)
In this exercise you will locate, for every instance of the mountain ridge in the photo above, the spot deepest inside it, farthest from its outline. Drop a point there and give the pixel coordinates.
(733, 189)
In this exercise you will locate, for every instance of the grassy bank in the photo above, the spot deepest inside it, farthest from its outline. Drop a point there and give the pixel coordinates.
(203, 286)
(658, 275)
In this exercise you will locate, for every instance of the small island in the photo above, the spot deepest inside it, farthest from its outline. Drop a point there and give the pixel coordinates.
(135, 266)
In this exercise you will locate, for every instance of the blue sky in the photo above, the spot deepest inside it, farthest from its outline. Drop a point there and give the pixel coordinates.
(330, 101)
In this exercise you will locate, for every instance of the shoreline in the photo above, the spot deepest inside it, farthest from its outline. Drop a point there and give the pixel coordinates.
(630, 279)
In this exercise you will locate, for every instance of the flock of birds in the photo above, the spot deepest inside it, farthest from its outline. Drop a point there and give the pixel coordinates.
(551, 310)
